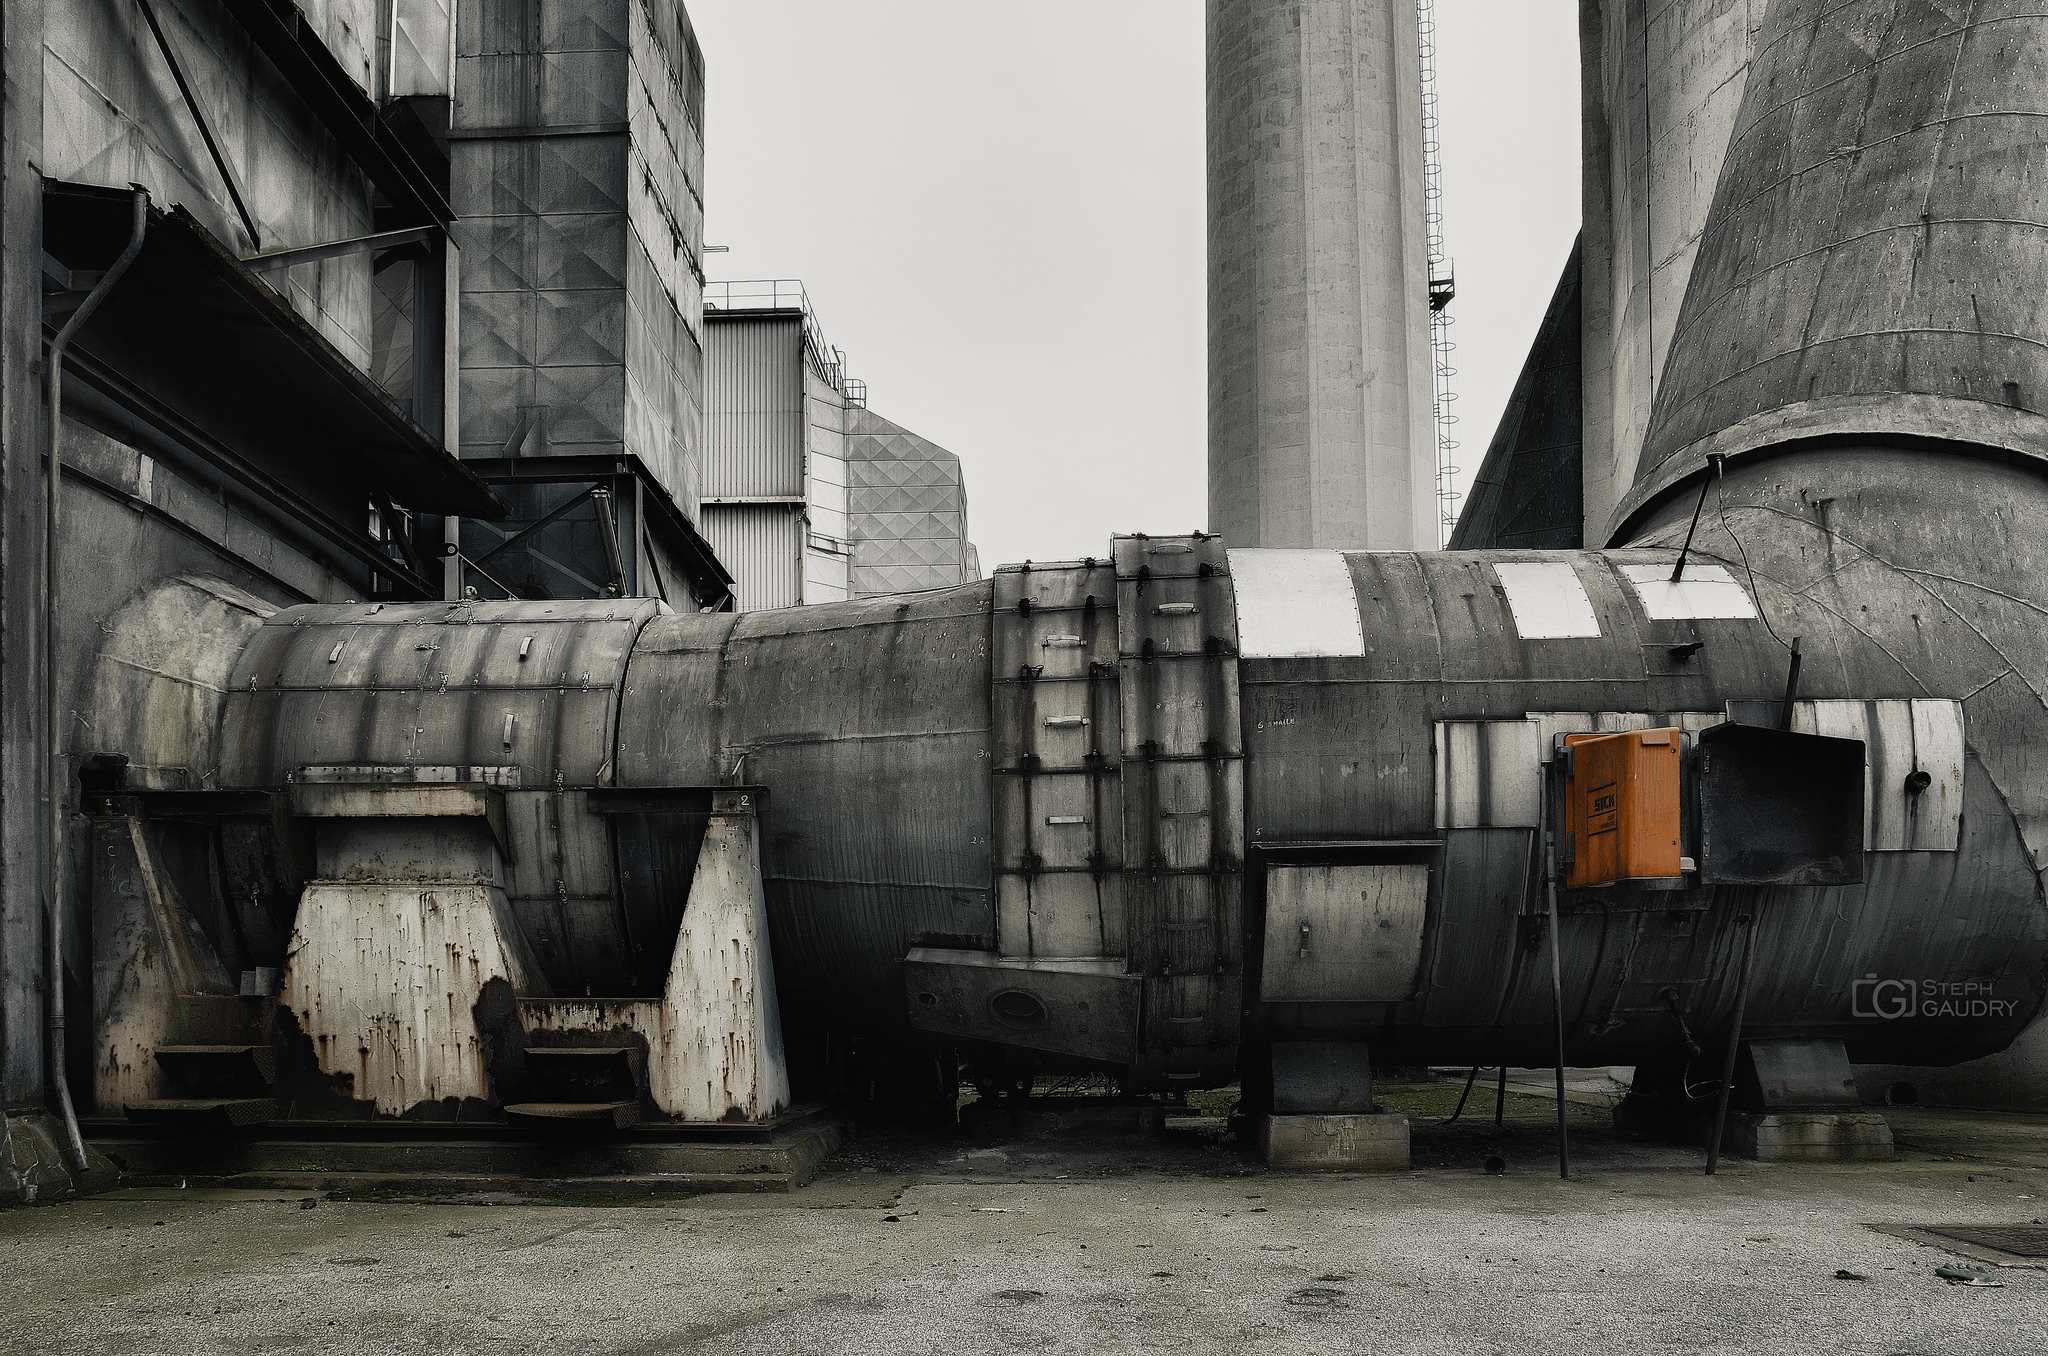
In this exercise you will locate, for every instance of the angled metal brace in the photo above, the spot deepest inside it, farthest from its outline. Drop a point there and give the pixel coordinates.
(274, 262)
(220, 160)
(523, 533)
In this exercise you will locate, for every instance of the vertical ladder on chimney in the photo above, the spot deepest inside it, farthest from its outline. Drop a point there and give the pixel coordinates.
(1443, 284)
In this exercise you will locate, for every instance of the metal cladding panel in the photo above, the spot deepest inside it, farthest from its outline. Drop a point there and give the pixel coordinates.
(1057, 783)
(753, 406)
(1488, 774)
(907, 508)
(1076, 1007)
(1343, 933)
(671, 723)
(1183, 811)
(1547, 600)
(1342, 746)
(869, 723)
(1913, 768)
(525, 685)
(1295, 604)
(762, 544)
(1878, 196)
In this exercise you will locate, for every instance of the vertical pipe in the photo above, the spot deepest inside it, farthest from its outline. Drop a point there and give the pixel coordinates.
(55, 780)
(1564, 1148)
(1500, 1100)
(1748, 922)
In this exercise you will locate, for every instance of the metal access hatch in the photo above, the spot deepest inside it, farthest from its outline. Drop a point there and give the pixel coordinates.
(1343, 933)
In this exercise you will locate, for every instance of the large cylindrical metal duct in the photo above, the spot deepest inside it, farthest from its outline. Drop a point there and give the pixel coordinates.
(1142, 809)
(1320, 382)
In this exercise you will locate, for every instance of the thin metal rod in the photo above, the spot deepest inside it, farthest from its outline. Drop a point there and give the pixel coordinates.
(1564, 1147)
(1791, 688)
(1470, 1079)
(220, 160)
(55, 780)
(608, 530)
(270, 261)
(462, 561)
(1500, 1100)
(520, 536)
(1748, 922)
(1714, 466)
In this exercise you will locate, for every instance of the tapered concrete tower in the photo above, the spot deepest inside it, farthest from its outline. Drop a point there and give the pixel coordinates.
(1320, 382)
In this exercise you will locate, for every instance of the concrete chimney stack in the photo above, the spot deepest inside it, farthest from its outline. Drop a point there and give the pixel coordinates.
(1320, 382)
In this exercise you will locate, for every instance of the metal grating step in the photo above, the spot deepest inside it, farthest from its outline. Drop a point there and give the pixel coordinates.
(609, 1115)
(220, 1070)
(219, 1111)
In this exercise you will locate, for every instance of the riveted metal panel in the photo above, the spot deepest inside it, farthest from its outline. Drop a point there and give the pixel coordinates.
(1294, 604)
(1183, 774)
(1702, 590)
(526, 685)
(1337, 933)
(1547, 599)
(1057, 783)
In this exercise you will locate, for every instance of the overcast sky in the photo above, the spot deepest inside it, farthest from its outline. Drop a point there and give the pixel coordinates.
(997, 209)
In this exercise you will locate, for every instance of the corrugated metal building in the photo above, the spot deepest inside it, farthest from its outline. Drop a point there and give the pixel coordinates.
(809, 496)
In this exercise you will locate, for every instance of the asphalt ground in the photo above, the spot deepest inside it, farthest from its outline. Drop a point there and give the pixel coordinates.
(1050, 1236)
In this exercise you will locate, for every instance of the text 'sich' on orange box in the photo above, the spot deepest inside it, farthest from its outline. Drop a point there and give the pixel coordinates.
(1621, 801)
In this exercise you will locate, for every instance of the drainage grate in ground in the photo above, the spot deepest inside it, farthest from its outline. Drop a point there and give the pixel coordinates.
(2021, 1240)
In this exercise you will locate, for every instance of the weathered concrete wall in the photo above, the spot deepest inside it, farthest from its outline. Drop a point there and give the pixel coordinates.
(1661, 80)
(1320, 386)
(113, 115)
(21, 537)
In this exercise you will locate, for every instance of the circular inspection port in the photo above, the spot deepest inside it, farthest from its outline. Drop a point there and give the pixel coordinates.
(927, 1000)
(1017, 1010)
(1495, 1165)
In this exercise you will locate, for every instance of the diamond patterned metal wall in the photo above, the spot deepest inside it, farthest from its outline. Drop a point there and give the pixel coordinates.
(908, 505)
(577, 160)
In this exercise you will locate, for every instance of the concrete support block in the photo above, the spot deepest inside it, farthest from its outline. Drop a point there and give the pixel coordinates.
(1809, 1136)
(33, 1166)
(1359, 1142)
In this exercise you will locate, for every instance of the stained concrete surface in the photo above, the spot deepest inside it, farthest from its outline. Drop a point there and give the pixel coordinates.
(1049, 1238)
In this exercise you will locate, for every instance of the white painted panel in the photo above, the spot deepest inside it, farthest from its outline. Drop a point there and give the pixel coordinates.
(1935, 818)
(1706, 591)
(1338, 934)
(1900, 737)
(1295, 604)
(1487, 774)
(1547, 599)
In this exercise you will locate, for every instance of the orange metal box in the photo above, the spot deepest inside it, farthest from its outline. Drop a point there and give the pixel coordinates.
(1621, 802)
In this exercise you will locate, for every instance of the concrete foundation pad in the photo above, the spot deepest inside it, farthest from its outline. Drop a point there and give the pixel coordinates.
(1369, 1142)
(1809, 1136)
(430, 1165)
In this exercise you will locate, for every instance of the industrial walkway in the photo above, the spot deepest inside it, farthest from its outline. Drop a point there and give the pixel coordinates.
(1043, 1241)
